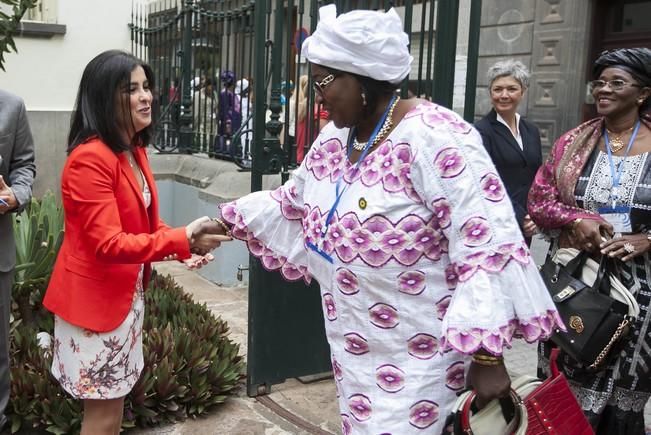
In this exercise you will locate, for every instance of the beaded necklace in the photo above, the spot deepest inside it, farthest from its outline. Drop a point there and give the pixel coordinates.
(388, 123)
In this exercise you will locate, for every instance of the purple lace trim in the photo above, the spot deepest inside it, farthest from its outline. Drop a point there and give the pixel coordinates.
(491, 260)
(284, 198)
(270, 260)
(469, 341)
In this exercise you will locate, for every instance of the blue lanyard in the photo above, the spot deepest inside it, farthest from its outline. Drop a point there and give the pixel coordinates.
(339, 193)
(617, 174)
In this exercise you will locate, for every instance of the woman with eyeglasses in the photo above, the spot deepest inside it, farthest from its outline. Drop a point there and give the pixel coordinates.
(399, 214)
(594, 194)
(512, 142)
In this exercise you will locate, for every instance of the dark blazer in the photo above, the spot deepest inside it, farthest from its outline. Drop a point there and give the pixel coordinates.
(16, 167)
(517, 168)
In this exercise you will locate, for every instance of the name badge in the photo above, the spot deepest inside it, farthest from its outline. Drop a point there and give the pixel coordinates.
(619, 217)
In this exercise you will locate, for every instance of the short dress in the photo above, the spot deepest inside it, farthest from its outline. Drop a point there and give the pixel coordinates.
(101, 365)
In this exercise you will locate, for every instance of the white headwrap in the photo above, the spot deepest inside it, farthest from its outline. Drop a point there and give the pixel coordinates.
(368, 43)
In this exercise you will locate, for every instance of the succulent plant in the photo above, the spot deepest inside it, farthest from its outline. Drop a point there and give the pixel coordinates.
(190, 364)
(39, 233)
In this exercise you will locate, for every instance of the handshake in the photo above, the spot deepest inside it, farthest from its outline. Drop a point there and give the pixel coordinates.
(205, 234)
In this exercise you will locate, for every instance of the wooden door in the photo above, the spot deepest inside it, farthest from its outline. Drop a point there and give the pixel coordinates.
(617, 24)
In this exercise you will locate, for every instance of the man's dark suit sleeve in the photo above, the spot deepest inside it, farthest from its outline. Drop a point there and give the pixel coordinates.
(22, 168)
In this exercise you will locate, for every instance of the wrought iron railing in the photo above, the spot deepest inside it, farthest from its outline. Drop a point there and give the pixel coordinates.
(191, 43)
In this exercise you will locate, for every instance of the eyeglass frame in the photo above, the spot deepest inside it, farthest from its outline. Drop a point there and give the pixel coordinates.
(321, 85)
(599, 84)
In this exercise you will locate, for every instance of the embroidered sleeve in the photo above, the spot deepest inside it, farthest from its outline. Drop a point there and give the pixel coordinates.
(271, 224)
(497, 291)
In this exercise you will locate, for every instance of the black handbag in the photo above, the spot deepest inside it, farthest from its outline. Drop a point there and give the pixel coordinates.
(596, 308)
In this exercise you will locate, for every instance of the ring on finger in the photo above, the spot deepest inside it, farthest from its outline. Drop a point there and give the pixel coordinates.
(629, 248)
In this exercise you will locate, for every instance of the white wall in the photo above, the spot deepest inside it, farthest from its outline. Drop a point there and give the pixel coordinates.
(46, 71)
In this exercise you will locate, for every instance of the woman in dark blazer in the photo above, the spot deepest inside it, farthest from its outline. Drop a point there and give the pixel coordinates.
(512, 142)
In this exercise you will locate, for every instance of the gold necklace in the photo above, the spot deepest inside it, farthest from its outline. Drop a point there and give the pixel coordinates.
(386, 126)
(616, 141)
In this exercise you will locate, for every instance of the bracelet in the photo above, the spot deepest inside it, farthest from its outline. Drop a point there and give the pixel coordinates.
(223, 225)
(487, 360)
(487, 363)
(492, 358)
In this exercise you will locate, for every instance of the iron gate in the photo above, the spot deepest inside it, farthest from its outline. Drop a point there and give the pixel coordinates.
(191, 44)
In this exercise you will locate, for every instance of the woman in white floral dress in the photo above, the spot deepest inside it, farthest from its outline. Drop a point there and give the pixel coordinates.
(112, 234)
(399, 214)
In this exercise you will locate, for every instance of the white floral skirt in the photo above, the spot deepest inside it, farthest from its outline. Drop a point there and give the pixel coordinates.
(94, 365)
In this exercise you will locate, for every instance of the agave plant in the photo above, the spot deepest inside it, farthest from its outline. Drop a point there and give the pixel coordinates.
(38, 232)
(190, 367)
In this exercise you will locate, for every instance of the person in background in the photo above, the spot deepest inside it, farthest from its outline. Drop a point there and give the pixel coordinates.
(112, 234)
(229, 107)
(205, 118)
(303, 126)
(291, 118)
(175, 100)
(17, 171)
(398, 213)
(512, 142)
(243, 92)
(593, 194)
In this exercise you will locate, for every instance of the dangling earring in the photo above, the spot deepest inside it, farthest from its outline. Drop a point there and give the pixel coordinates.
(363, 99)
(640, 101)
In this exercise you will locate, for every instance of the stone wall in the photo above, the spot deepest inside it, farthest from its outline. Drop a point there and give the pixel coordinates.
(50, 132)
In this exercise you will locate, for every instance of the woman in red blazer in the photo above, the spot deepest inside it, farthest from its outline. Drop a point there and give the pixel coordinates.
(112, 234)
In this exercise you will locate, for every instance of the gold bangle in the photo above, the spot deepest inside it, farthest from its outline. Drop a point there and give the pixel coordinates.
(487, 357)
(487, 363)
(223, 225)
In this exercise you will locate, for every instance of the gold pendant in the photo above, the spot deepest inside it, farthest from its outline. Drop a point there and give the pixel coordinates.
(616, 143)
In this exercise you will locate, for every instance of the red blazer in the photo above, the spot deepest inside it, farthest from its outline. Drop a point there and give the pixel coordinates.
(108, 234)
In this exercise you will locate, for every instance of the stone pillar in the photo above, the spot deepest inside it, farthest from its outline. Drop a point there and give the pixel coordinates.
(559, 60)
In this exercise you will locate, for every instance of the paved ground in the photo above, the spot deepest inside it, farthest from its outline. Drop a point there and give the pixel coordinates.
(292, 407)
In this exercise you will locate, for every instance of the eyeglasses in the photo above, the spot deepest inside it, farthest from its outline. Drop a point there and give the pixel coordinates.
(320, 86)
(615, 85)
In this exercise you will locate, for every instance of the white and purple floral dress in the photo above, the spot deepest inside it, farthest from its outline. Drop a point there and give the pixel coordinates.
(429, 265)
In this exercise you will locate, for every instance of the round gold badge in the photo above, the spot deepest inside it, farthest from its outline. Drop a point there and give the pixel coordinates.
(362, 203)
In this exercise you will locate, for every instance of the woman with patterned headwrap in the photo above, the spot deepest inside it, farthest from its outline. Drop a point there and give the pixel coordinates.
(596, 186)
(397, 211)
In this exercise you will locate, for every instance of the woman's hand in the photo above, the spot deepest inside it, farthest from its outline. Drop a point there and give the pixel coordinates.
(489, 381)
(586, 234)
(626, 247)
(529, 227)
(194, 225)
(198, 261)
(205, 236)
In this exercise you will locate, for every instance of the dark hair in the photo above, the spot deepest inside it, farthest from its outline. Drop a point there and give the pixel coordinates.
(228, 78)
(95, 113)
(636, 61)
(374, 89)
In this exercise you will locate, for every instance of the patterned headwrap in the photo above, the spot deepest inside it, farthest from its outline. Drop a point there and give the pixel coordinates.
(637, 61)
(369, 43)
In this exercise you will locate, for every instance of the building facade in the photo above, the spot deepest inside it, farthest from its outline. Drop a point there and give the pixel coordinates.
(558, 40)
